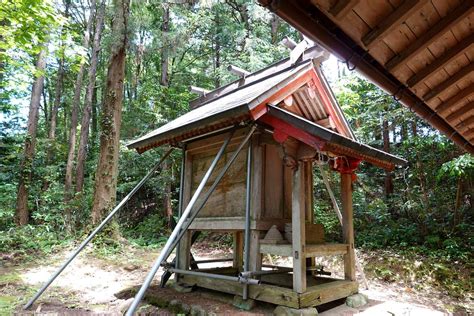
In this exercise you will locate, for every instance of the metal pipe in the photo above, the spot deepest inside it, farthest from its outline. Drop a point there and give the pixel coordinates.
(212, 260)
(247, 218)
(250, 274)
(213, 187)
(171, 240)
(98, 229)
(217, 276)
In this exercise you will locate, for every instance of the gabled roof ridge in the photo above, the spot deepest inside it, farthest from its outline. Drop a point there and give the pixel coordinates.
(283, 65)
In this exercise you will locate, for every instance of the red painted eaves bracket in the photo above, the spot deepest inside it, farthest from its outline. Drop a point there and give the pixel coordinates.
(283, 129)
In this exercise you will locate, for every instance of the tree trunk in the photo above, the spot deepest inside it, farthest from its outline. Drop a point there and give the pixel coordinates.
(165, 27)
(386, 148)
(22, 213)
(94, 127)
(217, 50)
(404, 131)
(274, 24)
(86, 114)
(414, 129)
(75, 111)
(57, 95)
(107, 168)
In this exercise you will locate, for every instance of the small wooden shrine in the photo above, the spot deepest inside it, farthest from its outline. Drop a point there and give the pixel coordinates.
(287, 118)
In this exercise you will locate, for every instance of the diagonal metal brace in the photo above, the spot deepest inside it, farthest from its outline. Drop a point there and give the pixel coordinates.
(184, 222)
(97, 230)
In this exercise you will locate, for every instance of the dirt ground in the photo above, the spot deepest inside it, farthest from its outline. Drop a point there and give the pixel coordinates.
(92, 285)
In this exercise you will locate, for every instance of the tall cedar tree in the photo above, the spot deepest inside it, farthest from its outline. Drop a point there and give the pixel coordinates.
(86, 114)
(107, 168)
(165, 28)
(58, 91)
(75, 111)
(22, 213)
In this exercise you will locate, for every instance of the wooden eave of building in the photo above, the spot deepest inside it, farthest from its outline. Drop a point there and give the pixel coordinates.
(263, 102)
(326, 140)
(419, 51)
(224, 110)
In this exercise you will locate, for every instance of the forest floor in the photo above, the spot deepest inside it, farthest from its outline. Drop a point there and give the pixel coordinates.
(101, 283)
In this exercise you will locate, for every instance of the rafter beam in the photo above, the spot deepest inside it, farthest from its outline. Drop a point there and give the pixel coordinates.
(342, 8)
(469, 134)
(469, 107)
(391, 22)
(432, 35)
(461, 74)
(464, 124)
(441, 61)
(458, 97)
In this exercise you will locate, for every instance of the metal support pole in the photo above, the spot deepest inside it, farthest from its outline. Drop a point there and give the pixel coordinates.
(98, 229)
(250, 274)
(171, 240)
(216, 276)
(212, 260)
(211, 189)
(247, 219)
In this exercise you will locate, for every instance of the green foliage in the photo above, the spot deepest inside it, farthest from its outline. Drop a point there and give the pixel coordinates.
(29, 240)
(462, 166)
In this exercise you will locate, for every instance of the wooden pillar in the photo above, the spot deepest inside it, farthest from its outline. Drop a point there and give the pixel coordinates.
(238, 249)
(185, 251)
(256, 202)
(347, 225)
(298, 227)
(255, 257)
(308, 198)
(184, 246)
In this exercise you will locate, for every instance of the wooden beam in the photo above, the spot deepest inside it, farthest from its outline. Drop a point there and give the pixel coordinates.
(238, 249)
(327, 292)
(342, 8)
(327, 123)
(391, 22)
(469, 134)
(348, 226)
(432, 35)
(469, 107)
(461, 74)
(458, 97)
(465, 124)
(441, 61)
(298, 230)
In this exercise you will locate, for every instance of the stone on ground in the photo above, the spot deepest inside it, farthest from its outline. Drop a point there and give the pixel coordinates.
(288, 311)
(182, 288)
(197, 310)
(357, 300)
(246, 305)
